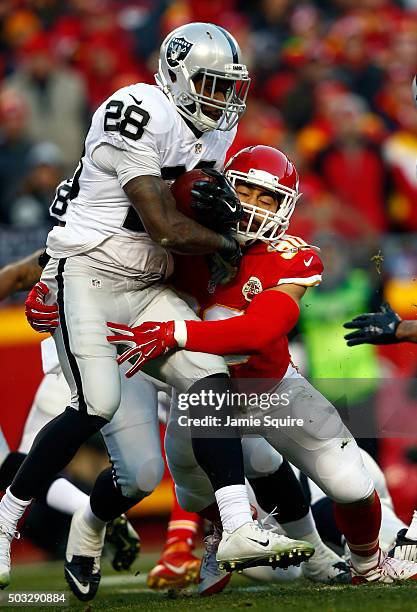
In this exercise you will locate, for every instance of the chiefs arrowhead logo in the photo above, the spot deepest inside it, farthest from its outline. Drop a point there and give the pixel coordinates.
(177, 50)
(251, 288)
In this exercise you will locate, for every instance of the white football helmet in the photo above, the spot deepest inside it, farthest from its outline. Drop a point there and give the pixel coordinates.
(208, 51)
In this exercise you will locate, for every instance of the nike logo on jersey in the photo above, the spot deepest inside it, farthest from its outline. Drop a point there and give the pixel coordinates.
(307, 262)
(84, 589)
(266, 543)
(176, 570)
(135, 99)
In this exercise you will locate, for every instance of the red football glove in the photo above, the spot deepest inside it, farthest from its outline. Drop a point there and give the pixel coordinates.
(147, 341)
(41, 317)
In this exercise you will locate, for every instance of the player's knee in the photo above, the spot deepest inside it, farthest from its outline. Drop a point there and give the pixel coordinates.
(103, 405)
(260, 458)
(192, 501)
(179, 453)
(350, 486)
(150, 475)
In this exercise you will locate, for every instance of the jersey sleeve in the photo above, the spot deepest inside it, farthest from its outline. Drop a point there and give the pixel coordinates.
(292, 261)
(305, 268)
(136, 121)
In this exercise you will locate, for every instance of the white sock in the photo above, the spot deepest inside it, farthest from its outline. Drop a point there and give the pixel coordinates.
(12, 509)
(65, 497)
(411, 533)
(363, 564)
(4, 448)
(92, 520)
(305, 529)
(233, 506)
(300, 528)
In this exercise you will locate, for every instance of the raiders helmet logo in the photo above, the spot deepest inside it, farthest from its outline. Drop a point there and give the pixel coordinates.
(251, 288)
(177, 50)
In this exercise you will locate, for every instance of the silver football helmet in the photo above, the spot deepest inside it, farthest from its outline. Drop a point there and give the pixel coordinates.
(196, 62)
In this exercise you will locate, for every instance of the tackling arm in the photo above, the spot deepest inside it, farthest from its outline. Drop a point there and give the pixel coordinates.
(271, 314)
(20, 275)
(168, 227)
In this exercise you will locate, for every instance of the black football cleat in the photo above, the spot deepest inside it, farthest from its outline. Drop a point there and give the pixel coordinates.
(124, 543)
(82, 557)
(83, 577)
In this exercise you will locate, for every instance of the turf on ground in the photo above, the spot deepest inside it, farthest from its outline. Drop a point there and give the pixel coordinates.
(126, 592)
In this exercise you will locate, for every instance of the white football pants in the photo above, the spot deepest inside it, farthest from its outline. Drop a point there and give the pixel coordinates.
(132, 437)
(322, 448)
(88, 297)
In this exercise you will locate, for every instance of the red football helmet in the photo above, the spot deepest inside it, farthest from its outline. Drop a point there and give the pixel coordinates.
(271, 169)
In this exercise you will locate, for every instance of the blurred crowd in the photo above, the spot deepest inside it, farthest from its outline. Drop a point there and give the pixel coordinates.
(331, 86)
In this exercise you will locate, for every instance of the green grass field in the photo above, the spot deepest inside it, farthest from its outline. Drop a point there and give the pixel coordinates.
(127, 592)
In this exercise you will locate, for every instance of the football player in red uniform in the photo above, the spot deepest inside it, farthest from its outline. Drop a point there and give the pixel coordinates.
(249, 319)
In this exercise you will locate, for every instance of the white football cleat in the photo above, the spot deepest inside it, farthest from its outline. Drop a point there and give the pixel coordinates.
(326, 567)
(404, 548)
(212, 579)
(250, 545)
(82, 557)
(387, 571)
(6, 536)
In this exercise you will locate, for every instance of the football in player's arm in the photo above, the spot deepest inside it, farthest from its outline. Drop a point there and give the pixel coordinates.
(281, 268)
(383, 327)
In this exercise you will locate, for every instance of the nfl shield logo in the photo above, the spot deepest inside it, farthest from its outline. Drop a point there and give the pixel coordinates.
(198, 147)
(177, 50)
(251, 288)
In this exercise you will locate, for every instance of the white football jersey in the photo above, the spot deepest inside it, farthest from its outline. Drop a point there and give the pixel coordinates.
(144, 128)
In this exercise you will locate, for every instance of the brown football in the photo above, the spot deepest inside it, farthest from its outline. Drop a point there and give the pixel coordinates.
(181, 190)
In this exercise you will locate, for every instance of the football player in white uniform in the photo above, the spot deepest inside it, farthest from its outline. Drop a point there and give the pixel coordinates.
(112, 258)
(50, 400)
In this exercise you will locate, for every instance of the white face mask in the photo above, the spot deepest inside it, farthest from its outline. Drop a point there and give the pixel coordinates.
(258, 223)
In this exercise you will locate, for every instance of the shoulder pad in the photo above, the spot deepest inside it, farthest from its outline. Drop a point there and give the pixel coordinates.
(135, 117)
(288, 246)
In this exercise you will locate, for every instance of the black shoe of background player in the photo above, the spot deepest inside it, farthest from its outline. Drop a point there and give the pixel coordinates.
(124, 543)
(83, 577)
(404, 548)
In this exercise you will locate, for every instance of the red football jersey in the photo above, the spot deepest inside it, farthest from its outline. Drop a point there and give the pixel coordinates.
(263, 266)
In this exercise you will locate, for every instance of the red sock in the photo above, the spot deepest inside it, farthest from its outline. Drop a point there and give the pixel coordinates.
(360, 523)
(182, 525)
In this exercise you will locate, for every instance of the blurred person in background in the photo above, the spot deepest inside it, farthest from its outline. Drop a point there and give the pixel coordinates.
(31, 207)
(56, 99)
(270, 30)
(15, 148)
(352, 167)
(400, 152)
